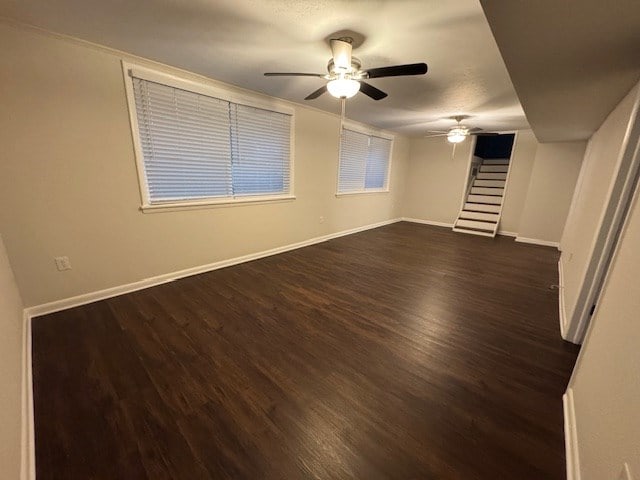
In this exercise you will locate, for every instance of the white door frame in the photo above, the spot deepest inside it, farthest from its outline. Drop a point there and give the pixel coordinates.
(619, 201)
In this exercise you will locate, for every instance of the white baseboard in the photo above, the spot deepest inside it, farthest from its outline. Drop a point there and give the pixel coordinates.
(571, 436)
(561, 310)
(28, 470)
(427, 222)
(28, 466)
(535, 241)
(449, 225)
(90, 297)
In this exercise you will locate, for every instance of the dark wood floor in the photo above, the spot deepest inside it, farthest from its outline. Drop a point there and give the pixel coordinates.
(406, 352)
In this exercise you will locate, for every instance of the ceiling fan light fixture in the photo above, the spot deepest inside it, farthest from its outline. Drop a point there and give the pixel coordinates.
(343, 87)
(457, 134)
(346, 77)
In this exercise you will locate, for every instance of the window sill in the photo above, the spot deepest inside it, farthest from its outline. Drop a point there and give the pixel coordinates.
(361, 192)
(199, 204)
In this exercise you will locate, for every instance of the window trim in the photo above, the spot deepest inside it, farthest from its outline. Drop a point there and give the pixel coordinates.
(371, 131)
(217, 91)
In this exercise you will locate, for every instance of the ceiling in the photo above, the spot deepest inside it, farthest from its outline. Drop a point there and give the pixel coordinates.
(571, 62)
(237, 40)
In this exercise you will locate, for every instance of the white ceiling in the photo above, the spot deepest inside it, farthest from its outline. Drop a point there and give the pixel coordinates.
(237, 40)
(571, 61)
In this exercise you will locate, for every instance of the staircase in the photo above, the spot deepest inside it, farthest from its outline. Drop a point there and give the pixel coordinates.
(480, 214)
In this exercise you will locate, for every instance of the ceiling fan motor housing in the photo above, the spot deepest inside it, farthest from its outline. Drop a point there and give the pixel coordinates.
(356, 65)
(341, 50)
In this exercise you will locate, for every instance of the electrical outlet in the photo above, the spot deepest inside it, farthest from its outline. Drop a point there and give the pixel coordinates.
(625, 474)
(321, 219)
(62, 263)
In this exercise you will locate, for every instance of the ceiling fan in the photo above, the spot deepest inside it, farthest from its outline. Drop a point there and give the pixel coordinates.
(346, 77)
(459, 132)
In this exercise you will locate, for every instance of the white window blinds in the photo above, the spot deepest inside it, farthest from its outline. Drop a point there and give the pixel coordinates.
(196, 146)
(364, 162)
(260, 151)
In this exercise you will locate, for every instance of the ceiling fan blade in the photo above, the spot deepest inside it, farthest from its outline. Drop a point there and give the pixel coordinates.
(484, 134)
(317, 93)
(372, 91)
(433, 135)
(341, 51)
(293, 74)
(397, 70)
(437, 131)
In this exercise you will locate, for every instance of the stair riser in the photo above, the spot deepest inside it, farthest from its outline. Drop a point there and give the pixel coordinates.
(484, 226)
(495, 161)
(482, 208)
(489, 183)
(487, 191)
(481, 212)
(494, 168)
(491, 176)
(484, 199)
(486, 217)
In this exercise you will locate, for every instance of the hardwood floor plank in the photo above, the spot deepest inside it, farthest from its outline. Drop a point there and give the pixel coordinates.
(404, 352)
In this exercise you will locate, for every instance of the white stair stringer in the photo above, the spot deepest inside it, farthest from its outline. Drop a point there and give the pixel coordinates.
(482, 209)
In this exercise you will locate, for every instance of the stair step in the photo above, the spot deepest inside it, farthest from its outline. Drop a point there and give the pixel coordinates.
(481, 207)
(484, 199)
(489, 183)
(491, 176)
(495, 161)
(487, 191)
(494, 168)
(485, 226)
(473, 232)
(487, 217)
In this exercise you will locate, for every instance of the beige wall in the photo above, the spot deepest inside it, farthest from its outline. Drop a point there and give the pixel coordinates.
(520, 171)
(10, 370)
(68, 181)
(590, 200)
(606, 383)
(552, 182)
(435, 183)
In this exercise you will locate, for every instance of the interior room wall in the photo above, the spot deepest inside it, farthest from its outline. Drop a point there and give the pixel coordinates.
(10, 370)
(524, 152)
(590, 199)
(434, 188)
(606, 385)
(68, 181)
(552, 181)
(435, 184)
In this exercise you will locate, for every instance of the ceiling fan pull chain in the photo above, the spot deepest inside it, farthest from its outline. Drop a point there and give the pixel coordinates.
(342, 109)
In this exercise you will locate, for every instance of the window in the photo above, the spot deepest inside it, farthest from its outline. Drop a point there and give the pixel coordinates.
(196, 146)
(364, 162)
